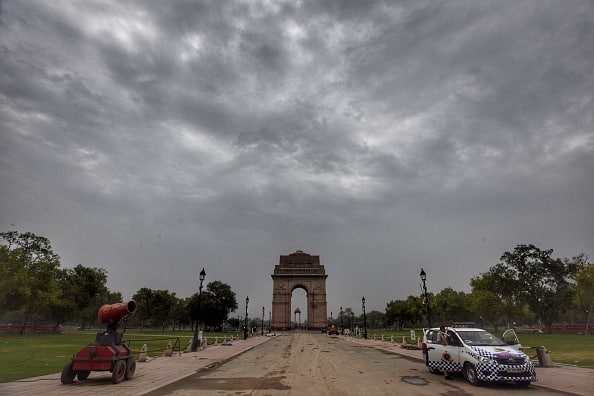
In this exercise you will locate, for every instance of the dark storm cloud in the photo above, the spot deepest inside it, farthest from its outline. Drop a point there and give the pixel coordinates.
(153, 138)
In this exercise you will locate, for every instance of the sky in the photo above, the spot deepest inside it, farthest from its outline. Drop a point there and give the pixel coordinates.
(157, 138)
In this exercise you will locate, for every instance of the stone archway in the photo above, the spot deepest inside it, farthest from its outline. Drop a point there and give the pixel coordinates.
(299, 270)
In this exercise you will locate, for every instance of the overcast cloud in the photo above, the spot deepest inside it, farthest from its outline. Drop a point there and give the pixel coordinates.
(154, 138)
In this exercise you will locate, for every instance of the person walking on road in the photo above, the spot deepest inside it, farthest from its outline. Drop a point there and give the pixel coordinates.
(442, 338)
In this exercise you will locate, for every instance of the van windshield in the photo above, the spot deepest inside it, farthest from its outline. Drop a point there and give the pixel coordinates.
(480, 337)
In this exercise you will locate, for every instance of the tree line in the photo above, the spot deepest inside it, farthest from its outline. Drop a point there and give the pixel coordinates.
(527, 286)
(162, 308)
(33, 285)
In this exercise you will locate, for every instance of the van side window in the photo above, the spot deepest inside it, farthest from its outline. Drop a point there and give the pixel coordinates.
(453, 339)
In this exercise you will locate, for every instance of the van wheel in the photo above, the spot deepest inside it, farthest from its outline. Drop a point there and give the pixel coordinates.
(434, 371)
(523, 384)
(470, 374)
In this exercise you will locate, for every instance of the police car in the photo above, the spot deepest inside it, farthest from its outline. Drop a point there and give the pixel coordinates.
(478, 355)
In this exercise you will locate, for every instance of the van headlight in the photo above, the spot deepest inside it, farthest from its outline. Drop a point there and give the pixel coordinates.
(483, 359)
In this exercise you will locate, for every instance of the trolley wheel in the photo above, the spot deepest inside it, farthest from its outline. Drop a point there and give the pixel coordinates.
(130, 368)
(83, 374)
(119, 371)
(68, 374)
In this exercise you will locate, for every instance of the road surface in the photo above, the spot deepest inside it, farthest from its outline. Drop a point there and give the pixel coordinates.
(319, 364)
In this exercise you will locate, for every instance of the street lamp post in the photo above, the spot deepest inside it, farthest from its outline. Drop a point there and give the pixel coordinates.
(423, 275)
(245, 330)
(262, 321)
(269, 321)
(195, 341)
(341, 323)
(364, 319)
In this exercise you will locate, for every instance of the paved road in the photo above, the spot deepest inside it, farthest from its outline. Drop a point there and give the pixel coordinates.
(316, 364)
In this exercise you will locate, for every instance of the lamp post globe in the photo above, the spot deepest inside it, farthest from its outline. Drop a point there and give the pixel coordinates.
(196, 341)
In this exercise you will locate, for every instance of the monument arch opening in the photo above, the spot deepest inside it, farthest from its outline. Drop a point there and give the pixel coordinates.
(299, 304)
(299, 270)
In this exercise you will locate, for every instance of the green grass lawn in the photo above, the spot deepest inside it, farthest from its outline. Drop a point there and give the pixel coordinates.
(25, 356)
(563, 348)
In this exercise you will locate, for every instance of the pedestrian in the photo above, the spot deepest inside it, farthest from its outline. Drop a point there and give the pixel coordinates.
(442, 338)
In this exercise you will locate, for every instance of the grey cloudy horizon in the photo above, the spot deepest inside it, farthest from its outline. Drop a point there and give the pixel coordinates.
(156, 138)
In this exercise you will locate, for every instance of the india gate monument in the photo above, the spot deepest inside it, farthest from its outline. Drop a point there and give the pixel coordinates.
(299, 270)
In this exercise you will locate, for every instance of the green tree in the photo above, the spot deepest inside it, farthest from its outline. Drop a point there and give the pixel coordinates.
(585, 293)
(486, 306)
(405, 312)
(156, 306)
(13, 281)
(348, 317)
(216, 303)
(179, 313)
(531, 276)
(109, 297)
(376, 319)
(28, 274)
(63, 308)
(395, 313)
(493, 298)
(233, 323)
(162, 306)
(144, 300)
(451, 306)
(87, 287)
(82, 292)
